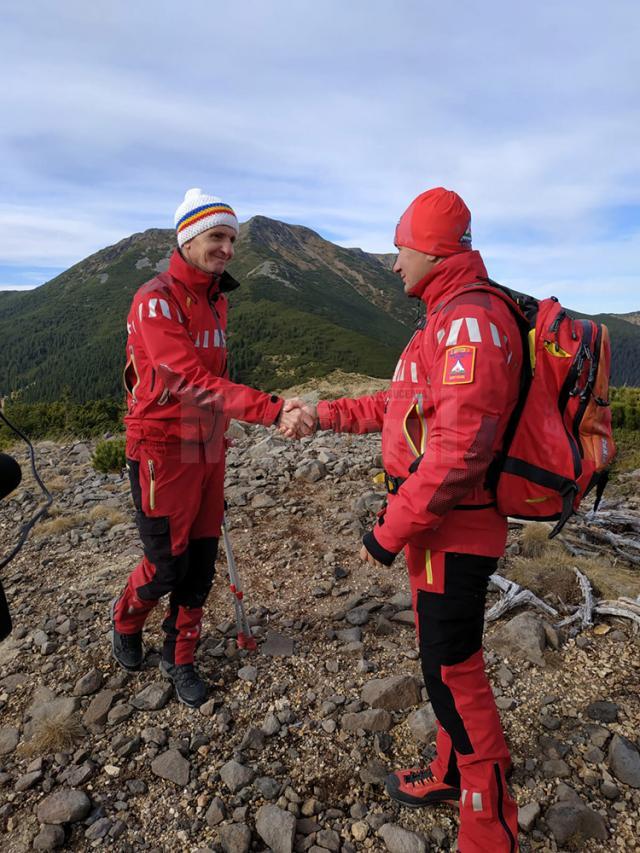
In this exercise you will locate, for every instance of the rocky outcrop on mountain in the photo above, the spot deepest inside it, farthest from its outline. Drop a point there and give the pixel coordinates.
(290, 750)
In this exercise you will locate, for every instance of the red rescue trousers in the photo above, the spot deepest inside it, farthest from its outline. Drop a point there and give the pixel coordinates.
(449, 593)
(178, 495)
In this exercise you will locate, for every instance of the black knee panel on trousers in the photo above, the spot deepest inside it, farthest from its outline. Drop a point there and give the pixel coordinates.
(451, 626)
(196, 585)
(451, 623)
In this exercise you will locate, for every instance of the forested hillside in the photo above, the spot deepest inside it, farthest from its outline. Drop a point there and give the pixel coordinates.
(305, 308)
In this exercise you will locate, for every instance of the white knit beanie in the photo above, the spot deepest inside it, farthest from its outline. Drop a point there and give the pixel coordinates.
(198, 212)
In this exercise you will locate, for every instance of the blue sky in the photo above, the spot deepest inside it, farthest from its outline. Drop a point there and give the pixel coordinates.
(333, 115)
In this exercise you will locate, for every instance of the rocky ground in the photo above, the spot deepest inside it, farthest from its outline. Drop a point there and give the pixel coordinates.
(291, 748)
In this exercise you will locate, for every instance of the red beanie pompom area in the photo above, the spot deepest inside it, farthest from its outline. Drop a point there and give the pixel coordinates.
(437, 223)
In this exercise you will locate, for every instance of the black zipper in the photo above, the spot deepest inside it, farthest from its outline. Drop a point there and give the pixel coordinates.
(587, 391)
(501, 818)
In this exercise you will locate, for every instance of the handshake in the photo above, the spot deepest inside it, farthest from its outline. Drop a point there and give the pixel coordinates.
(297, 418)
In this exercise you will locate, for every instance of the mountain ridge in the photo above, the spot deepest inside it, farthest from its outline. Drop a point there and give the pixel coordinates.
(306, 307)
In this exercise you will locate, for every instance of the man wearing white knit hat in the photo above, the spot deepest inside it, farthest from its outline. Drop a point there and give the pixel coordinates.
(179, 402)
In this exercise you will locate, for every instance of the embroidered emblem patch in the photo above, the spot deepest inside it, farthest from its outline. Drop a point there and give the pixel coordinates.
(459, 365)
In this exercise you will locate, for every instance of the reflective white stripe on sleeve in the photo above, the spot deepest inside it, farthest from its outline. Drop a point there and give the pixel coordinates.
(464, 796)
(476, 801)
(153, 304)
(205, 342)
(164, 307)
(473, 329)
(454, 331)
(495, 334)
(414, 372)
(440, 335)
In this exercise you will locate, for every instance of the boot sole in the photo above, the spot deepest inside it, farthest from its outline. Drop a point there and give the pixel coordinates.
(126, 668)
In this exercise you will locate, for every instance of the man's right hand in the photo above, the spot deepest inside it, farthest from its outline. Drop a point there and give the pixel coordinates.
(297, 418)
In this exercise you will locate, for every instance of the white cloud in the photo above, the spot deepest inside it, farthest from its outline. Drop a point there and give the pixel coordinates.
(333, 115)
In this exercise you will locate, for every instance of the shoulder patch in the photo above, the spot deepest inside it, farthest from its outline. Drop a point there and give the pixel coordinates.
(459, 365)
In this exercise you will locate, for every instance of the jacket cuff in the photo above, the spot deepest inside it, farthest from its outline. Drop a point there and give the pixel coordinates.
(376, 550)
(272, 410)
(325, 419)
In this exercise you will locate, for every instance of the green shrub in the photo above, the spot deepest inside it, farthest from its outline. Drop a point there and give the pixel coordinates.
(109, 455)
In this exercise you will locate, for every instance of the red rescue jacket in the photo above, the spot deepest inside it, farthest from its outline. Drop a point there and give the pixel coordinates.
(176, 375)
(450, 398)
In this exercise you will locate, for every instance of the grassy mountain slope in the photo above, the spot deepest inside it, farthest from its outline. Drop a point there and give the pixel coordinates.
(301, 312)
(305, 308)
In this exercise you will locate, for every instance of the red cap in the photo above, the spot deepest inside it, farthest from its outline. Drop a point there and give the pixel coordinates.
(437, 223)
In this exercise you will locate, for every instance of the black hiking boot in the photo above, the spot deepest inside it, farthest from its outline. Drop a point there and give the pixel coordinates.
(190, 688)
(127, 648)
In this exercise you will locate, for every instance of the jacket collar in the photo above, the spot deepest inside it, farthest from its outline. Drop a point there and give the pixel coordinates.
(196, 281)
(449, 275)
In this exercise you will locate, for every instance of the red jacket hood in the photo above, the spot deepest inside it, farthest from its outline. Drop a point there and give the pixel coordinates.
(448, 276)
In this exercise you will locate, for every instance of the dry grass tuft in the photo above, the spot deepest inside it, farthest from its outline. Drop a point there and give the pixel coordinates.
(57, 484)
(57, 525)
(534, 541)
(552, 573)
(106, 513)
(53, 734)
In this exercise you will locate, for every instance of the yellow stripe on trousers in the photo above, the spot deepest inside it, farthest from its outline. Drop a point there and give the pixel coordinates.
(428, 567)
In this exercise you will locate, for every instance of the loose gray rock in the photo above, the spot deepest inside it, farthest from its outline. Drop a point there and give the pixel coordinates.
(311, 472)
(235, 775)
(277, 645)
(604, 712)
(235, 838)
(372, 720)
(271, 725)
(9, 739)
(423, 724)
(268, 787)
(395, 693)
(358, 616)
(66, 805)
(216, 812)
(262, 501)
(28, 780)
(173, 766)
(401, 601)
(248, 673)
(556, 768)
(154, 696)
(328, 839)
(96, 714)
(572, 823)
(624, 761)
(527, 816)
(521, 637)
(50, 837)
(98, 829)
(89, 683)
(399, 840)
(276, 827)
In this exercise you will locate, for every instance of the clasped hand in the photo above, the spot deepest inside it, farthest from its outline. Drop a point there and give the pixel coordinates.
(297, 418)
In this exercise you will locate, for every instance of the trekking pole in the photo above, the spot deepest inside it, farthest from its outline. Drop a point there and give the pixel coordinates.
(245, 638)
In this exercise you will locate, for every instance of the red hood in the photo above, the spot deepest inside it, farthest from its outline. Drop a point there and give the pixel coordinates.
(448, 276)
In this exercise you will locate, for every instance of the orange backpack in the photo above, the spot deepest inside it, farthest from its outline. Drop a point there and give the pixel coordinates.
(559, 442)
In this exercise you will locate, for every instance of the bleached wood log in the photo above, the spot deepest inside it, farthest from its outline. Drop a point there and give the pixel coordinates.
(514, 596)
(613, 609)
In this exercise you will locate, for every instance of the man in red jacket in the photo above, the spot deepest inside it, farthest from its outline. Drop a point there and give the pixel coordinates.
(179, 402)
(442, 420)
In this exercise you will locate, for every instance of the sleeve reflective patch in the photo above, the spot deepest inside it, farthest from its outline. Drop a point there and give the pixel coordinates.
(459, 365)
